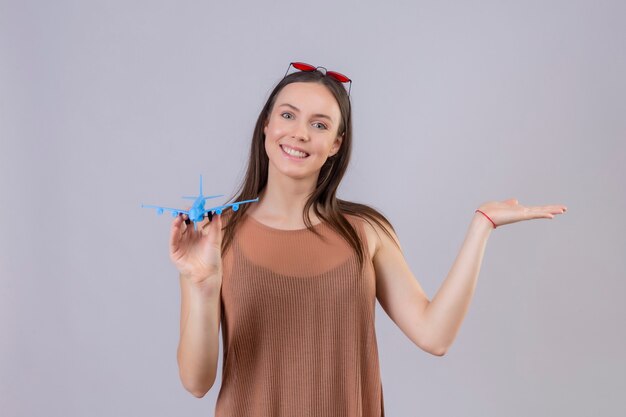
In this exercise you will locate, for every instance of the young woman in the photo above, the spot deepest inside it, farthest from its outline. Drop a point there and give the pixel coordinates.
(293, 279)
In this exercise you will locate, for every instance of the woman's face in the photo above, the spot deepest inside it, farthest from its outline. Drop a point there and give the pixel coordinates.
(301, 132)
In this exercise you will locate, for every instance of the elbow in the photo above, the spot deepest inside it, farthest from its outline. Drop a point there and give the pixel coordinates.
(439, 352)
(436, 349)
(198, 388)
(194, 382)
(197, 391)
(199, 394)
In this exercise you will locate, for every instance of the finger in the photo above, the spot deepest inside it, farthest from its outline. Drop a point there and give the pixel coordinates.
(554, 209)
(203, 224)
(204, 227)
(208, 217)
(214, 230)
(558, 209)
(187, 227)
(207, 223)
(217, 223)
(186, 217)
(176, 232)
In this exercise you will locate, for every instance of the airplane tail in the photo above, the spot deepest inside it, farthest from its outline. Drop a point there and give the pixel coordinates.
(200, 194)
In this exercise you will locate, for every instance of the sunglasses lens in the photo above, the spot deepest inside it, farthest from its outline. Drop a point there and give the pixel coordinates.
(303, 67)
(338, 76)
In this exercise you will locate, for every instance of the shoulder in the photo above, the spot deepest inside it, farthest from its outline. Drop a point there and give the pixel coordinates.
(378, 235)
(377, 227)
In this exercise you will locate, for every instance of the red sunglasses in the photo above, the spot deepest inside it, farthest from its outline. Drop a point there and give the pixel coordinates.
(308, 67)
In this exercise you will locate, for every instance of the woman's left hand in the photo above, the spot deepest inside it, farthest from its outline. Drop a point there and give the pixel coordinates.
(510, 211)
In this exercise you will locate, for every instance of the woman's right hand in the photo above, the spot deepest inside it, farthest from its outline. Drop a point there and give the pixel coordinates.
(197, 254)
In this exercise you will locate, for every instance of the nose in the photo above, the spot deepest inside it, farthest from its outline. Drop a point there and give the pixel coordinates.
(300, 132)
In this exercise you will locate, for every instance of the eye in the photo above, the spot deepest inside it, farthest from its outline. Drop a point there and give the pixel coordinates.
(323, 126)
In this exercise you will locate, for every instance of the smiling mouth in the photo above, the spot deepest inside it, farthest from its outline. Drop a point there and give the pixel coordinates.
(293, 153)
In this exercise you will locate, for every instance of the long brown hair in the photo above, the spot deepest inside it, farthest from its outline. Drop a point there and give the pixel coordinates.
(325, 204)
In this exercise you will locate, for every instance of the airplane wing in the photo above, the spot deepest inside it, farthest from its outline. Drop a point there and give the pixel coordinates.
(159, 210)
(235, 206)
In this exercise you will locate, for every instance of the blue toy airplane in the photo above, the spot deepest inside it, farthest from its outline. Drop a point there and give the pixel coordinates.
(198, 212)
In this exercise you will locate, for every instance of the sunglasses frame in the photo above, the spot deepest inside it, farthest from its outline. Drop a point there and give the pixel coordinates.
(303, 66)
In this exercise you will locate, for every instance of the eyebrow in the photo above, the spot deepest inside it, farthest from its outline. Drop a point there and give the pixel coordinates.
(297, 109)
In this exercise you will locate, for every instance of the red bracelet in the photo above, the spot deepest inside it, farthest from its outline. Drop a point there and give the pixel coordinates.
(494, 225)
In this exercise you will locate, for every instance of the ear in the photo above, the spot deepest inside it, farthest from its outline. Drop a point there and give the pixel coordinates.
(336, 145)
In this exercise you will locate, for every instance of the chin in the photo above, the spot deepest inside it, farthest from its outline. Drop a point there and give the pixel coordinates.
(296, 173)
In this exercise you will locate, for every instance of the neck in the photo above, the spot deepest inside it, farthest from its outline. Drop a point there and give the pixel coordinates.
(284, 198)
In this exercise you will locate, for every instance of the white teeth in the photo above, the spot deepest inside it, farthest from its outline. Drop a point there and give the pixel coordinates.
(293, 152)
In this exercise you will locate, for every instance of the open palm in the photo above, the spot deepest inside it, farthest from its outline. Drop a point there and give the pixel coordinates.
(510, 211)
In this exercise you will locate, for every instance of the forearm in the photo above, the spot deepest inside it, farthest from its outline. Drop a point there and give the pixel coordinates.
(448, 308)
(199, 342)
